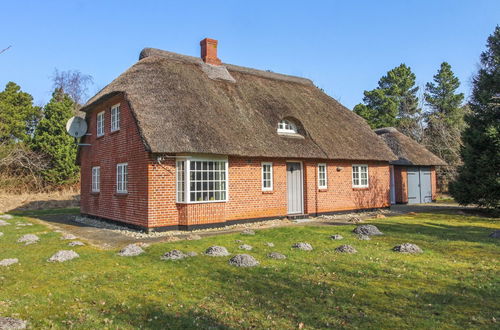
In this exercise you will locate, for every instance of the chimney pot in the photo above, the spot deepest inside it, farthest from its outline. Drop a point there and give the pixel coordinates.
(209, 51)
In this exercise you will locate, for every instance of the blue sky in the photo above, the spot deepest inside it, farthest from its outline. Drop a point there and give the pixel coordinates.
(343, 46)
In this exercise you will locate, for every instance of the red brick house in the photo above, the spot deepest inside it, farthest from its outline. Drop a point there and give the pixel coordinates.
(180, 142)
(413, 174)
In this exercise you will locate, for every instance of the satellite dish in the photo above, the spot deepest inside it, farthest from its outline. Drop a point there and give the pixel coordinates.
(76, 127)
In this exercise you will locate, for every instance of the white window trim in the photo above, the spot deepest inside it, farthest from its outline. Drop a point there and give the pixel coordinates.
(96, 185)
(367, 176)
(100, 115)
(325, 186)
(293, 130)
(121, 191)
(270, 188)
(115, 124)
(187, 178)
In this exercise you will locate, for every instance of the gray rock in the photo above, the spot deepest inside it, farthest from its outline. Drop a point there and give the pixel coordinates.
(22, 224)
(336, 236)
(10, 323)
(238, 241)
(216, 251)
(408, 248)
(303, 246)
(276, 255)
(68, 237)
(28, 239)
(76, 243)
(495, 234)
(243, 260)
(131, 250)
(4, 223)
(6, 217)
(346, 249)
(270, 244)
(191, 254)
(246, 247)
(8, 262)
(174, 255)
(63, 255)
(248, 232)
(363, 237)
(368, 230)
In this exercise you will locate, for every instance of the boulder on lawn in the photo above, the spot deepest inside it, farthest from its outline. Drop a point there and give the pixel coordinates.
(248, 232)
(131, 250)
(6, 217)
(174, 255)
(346, 249)
(216, 251)
(336, 236)
(1, 234)
(76, 243)
(495, 234)
(10, 323)
(8, 262)
(276, 255)
(303, 246)
(246, 247)
(243, 260)
(4, 223)
(270, 244)
(368, 230)
(408, 248)
(68, 237)
(28, 239)
(362, 237)
(63, 255)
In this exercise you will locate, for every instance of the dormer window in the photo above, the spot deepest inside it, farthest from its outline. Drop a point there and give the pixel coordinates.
(286, 126)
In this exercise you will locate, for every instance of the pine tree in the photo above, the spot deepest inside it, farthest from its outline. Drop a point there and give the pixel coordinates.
(393, 103)
(18, 116)
(478, 180)
(52, 140)
(445, 122)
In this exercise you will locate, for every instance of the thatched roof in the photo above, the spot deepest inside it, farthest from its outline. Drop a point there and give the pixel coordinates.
(409, 151)
(183, 105)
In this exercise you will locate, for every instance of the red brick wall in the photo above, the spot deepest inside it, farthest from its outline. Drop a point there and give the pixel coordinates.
(106, 151)
(434, 183)
(401, 184)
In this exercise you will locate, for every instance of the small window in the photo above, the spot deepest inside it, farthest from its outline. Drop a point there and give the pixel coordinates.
(115, 118)
(286, 126)
(100, 123)
(360, 176)
(267, 176)
(322, 176)
(181, 180)
(96, 179)
(122, 178)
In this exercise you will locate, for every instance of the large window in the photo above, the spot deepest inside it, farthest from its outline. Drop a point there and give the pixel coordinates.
(122, 178)
(115, 118)
(100, 124)
(322, 176)
(360, 176)
(286, 126)
(267, 176)
(201, 181)
(96, 179)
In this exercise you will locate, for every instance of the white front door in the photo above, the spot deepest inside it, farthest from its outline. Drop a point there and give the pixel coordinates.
(294, 188)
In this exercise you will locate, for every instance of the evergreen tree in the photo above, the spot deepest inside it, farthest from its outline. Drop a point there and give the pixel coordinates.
(18, 116)
(478, 180)
(52, 140)
(445, 121)
(393, 103)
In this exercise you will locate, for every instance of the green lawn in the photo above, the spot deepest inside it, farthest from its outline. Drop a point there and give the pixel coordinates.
(455, 283)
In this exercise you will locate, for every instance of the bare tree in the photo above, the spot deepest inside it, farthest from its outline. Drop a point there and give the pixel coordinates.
(74, 83)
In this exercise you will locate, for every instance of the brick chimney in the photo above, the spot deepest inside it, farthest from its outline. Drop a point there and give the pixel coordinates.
(209, 51)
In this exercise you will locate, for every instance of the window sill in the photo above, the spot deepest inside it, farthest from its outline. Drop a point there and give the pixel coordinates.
(121, 194)
(360, 188)
(114, 132)
(202, 202)
(95, 193)
(323, 189)
(97, 137)
(268, 191)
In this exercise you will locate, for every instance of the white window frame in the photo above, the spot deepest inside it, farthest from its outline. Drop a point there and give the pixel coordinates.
(122, 178)
(288, 127)
(187, 179)
(115, 117)
(325, 185)
(96, 179)
(360, 185)
(180, 181)
(100, 124)
(263, 165)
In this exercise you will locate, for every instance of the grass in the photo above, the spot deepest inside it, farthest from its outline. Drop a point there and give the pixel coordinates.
(453, 284)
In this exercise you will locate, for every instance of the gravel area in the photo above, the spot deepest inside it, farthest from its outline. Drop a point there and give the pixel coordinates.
(131, 250)
(63, 255)
(8, 262)
(6, 216)
(217, 251)
(408, 248)
(10, 323)
(248, 232)
(362, 237)
(495, 234)
(22, 224)
(276, 255)
(346, 249)
(243, 260)
(246, 247)
(336, 237)
(76, 243)
(303, 246)
(193, 237)
(4, 223)
(68, 237)
(369, 230)
(28, 239)
(174, 255)
(270, 244)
